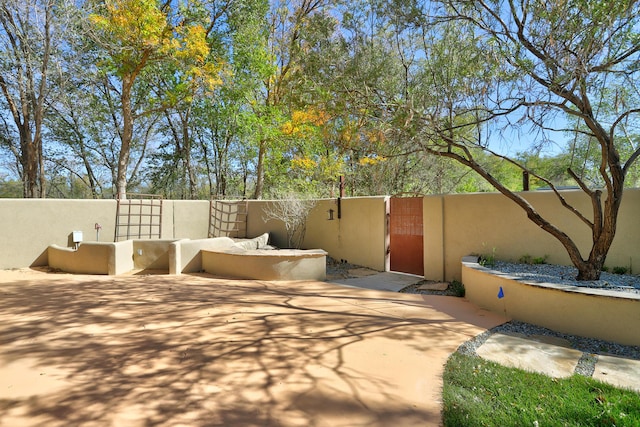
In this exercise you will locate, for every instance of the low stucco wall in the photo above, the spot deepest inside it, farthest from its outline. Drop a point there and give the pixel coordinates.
(111, 258)
(93, 258)
(151, 254)
(285, 264)
(185, 256)
(594, 313)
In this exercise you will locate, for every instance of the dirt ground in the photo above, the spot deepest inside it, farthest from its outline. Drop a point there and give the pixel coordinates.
(192, 350)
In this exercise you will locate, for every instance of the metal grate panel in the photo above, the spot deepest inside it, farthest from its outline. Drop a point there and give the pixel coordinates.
(139, 216)
(228, 218)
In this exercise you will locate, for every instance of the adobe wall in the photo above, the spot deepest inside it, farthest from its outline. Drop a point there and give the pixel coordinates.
(465, 224)
(29, 226)
(358, 237)
(596, 313)
(455, 226)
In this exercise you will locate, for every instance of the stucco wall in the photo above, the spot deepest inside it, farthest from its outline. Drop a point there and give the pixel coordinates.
(257, 226)
(358, 237)
(455, 226)
(29, 226)
(460, 225)
(189, 219)
(609, 315)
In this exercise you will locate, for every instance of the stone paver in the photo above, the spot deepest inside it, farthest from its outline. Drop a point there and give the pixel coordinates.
(518, 352)
(388, 281)
(620, 372)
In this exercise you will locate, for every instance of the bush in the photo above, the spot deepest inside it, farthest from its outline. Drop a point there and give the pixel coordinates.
(620, 270)
(457, 288)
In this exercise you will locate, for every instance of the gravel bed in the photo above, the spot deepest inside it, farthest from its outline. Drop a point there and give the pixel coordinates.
(565, 275)
(414, 289)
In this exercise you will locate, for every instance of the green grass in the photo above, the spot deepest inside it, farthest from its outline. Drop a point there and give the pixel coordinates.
(481, 393)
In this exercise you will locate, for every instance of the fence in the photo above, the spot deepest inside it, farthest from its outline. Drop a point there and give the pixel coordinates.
(454, 226)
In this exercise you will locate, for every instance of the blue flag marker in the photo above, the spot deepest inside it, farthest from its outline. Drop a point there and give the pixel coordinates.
(500, 293)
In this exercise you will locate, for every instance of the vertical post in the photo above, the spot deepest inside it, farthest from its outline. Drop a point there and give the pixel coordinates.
(341, 196)
(387, 237)
(525, 180)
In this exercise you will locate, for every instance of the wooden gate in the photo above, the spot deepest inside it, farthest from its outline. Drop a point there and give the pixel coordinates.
(405, 235)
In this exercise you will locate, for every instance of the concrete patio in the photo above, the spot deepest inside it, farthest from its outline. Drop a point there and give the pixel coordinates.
(194, 351)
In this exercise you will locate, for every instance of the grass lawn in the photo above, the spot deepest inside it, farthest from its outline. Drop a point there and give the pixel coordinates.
(482, 393)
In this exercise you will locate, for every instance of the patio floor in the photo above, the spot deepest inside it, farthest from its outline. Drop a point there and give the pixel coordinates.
(160, 350)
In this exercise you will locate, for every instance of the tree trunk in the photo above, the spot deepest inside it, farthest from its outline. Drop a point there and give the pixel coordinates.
(30, 166)
(127, 136)
(186, 155)
(260, 170)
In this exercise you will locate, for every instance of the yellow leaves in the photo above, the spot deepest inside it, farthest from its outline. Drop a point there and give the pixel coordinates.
(370, 161)
(137, 33)
(319, 168)
(310, 116)
(132, 24)
(303, 163)
(290, 130)
(194, 46)
(303, 122)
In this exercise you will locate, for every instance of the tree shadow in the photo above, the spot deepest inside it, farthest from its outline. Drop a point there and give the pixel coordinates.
(200, 351)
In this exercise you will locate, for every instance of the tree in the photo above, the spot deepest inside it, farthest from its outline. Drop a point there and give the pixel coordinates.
(293, 210)
(135, 36)
(491, 64)
(30, 37)
(290, 23)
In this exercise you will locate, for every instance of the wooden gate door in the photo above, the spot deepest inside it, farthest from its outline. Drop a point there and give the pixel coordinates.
(405, 235)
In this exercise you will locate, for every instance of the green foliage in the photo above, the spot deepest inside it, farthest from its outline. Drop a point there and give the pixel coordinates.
(488, 259)
(481, 393)
(391, 83)
(458, 288)
(528, 259)
(620, 270)
(10, 189)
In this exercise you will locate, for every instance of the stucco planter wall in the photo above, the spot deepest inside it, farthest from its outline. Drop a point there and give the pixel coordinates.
(284, 264)
(93, 258)
(595, 313)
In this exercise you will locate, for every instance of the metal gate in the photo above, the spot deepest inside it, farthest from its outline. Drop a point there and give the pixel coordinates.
(406, 235)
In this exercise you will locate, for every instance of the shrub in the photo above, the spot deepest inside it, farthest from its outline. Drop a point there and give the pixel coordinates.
(620, 270)
(457, 288)
(528, 259)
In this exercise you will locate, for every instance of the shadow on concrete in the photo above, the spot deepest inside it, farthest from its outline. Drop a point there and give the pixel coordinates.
(200, 351)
